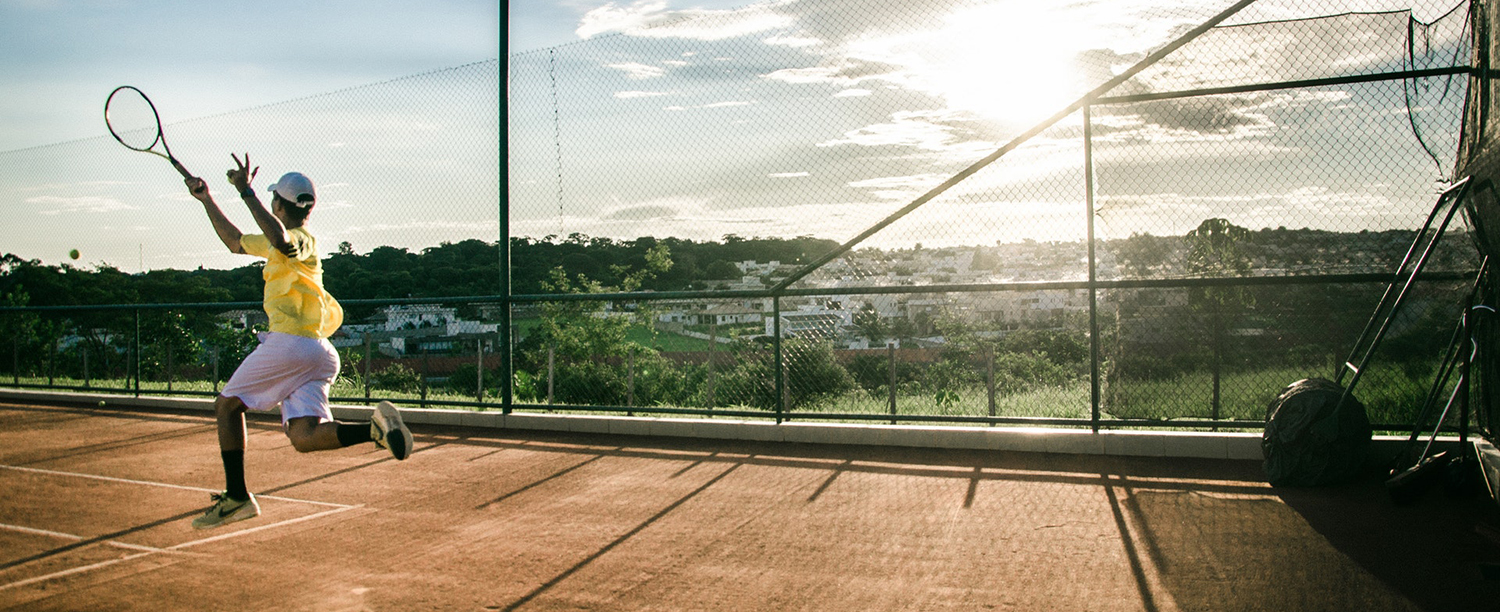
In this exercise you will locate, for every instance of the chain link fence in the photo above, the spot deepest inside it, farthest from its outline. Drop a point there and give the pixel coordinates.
(1112, 214)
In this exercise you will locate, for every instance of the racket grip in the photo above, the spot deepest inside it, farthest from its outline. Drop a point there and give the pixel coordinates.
(180, 170)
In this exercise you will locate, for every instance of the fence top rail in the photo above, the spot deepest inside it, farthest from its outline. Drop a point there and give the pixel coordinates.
(652, 296)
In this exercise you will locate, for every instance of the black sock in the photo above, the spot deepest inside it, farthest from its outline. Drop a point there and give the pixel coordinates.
(234, 473)
(354, 433)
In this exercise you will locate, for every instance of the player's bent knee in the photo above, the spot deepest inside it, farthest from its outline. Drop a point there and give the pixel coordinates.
(300, 432)
(228, 406)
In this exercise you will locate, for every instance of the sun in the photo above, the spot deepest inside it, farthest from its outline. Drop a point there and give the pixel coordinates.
(1011, 62)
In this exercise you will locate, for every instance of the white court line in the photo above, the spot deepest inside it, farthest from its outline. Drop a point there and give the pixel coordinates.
(78, 538)
(147, 550)
(168, 550)
(163, 485)
(76, 570)
(260, 528)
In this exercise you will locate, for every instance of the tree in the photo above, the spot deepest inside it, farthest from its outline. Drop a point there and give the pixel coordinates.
(871, 325)
(1213, 251)
(719, 269)
(1141, 254)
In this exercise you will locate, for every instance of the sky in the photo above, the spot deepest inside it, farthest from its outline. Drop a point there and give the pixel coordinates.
(691, 118)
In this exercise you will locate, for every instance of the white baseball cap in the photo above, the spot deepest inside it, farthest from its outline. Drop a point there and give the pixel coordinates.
(296, 188)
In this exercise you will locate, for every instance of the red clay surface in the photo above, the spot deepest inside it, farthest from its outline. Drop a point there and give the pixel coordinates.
(96, 506)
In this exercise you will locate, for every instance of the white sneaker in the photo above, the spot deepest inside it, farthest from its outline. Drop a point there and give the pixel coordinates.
(227, 510)
(389, 432)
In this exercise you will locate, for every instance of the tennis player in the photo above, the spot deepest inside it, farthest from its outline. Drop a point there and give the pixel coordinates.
(294, 364)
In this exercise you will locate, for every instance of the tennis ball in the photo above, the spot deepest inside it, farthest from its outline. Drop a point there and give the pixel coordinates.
(101, 403)
(73, 253)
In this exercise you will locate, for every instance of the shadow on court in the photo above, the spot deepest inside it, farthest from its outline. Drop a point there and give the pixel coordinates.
(505, 520)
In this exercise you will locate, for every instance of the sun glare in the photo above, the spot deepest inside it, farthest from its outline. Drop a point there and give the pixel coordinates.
(1011, 62)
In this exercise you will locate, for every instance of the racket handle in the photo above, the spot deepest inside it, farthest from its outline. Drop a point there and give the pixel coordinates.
(180, 170)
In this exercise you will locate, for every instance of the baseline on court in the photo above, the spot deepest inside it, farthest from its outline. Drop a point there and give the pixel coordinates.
(136, 551)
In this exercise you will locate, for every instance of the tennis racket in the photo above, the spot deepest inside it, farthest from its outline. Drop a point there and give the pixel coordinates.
(133, 121)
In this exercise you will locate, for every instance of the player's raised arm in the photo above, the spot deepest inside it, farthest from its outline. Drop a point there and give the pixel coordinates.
(228, 233)
(270, 225)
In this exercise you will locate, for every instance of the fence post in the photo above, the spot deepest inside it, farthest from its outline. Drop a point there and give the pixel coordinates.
(713, 343)
(366, 364)
(137, 353)
(479, 391)
(424, 376)
(51, 359)
(989, 379)
(781, 373)
(785, 371)
(85, 349)
(1088, 188)
(890, 358)
(630, 381)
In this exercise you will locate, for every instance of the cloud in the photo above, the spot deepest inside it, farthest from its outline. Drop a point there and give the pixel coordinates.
(637, 213)
(793, 41)
(54, 205)
(934, 130)
(1166, 214)
(853, 93)
(638, 71)
(483, 226)
(899, 187)
(724, 104)
(840, 71)
(652, 19)
(1227, 117)
(627, 95)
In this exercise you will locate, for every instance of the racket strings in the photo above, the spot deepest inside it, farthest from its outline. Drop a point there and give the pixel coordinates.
(132, 119)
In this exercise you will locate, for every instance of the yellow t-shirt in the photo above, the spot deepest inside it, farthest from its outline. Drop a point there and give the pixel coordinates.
(295, 299)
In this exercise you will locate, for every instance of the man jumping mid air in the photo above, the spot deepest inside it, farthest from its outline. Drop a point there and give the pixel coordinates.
(294, 365)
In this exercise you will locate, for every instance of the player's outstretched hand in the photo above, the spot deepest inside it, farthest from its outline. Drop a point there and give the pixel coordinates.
(241, 175)
(198, 188)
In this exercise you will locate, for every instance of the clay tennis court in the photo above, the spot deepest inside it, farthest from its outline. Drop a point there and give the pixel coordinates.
(97, 503)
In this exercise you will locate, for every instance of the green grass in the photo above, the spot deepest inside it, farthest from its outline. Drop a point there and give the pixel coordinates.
(664, 341)
(1391, 396)
(639, 334)
(1068, 402)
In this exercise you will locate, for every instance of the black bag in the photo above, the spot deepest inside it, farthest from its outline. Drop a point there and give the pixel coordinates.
(1306, 444)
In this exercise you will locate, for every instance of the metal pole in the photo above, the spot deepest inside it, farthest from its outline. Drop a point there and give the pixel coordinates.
(479, 390)
(713, 343)
(366, 364)
(989, 377)
(781, 403)
(1088, 182)
(137, 352)
(630, 381)
(890, 358)
(424, 376)
(507, 374)
(551, 370)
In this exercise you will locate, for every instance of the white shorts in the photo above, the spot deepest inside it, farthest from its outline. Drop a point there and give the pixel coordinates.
(290, 370)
